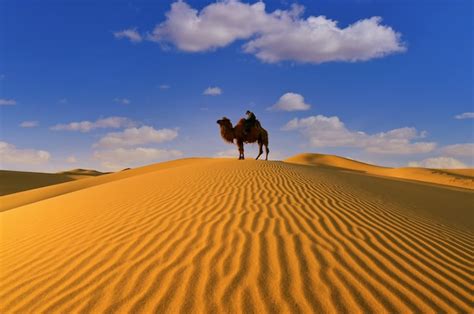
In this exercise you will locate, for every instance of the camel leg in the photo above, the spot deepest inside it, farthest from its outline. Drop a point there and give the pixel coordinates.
(241, 150)
(260, 150)
(266, 151)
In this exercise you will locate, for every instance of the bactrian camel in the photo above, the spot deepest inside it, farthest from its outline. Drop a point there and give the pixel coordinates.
(238, 136)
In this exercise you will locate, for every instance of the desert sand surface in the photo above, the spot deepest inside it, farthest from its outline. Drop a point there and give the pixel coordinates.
(228, 236)
(17, 181)
(463, 178)
(54, 188)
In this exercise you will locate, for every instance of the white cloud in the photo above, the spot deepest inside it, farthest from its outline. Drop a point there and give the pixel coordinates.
(71, 159)
(63, 101)
(10, 155)
(465, 115)
(217, 25)
(136, 136)
(291, 102)
(251, 152)
(87, 126)
(29, 124)
(120, 158)
(277, 36)
(324, 131)
(438, 162)
(228, 153)
(318, 40)
(123, 101)
(130, 34)
(460, 150)
(212, 91)
(7, 102)
(164, 86)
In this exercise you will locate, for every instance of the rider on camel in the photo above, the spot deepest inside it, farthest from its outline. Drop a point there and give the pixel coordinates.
(249, 122)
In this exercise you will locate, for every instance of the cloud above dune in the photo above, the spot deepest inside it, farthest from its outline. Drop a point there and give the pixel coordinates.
(438, 163)
(7, 102)
(212, 91)
(71, 159)
(123, 101)
(131, 34)
(277, 36)
(322, 131)
(250, 152)
(465, 115)
(459, 150)
(120, 158)
(228, 153)
(136, 136)
(127, 148)
(87, 126)
(29, 124)
(290, 102)
(10, 155)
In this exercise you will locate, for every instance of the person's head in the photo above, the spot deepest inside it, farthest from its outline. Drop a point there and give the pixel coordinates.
(248, 112)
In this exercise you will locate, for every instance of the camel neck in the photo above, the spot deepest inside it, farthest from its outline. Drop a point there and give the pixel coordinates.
(227, 134)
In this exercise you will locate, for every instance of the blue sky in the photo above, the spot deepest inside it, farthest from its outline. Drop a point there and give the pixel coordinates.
(134, 73)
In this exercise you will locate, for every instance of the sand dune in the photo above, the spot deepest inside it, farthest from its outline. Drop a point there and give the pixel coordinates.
(54, 189)
(81, 173)
(17, 181)
(228, 236)
(463, 178)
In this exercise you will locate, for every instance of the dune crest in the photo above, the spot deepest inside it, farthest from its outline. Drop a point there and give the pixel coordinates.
(462, 178)
(82, 172)
(54, 189)
(18, 181)
(228, 236)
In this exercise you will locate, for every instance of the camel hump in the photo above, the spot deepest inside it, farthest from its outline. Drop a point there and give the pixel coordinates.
(256, 123)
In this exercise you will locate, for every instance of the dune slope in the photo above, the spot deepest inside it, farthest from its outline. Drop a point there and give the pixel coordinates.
(332, 161)
(462, 178)
(227, 236)
(18, 181)
(53, 189)
(81, 173)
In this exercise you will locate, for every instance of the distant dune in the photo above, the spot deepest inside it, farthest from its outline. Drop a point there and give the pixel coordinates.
(17, 181)
(54, 189)
(463, 178)
(83, 172)
(228, 236)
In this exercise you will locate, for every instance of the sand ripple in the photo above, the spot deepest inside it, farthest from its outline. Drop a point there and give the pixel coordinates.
(222, 236)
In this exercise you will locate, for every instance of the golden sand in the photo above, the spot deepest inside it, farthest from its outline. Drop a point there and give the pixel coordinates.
(228, 236)
(463, 178)
(17, 181)
(52, 189)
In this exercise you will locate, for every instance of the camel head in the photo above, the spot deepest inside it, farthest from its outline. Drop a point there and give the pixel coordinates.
(225, 122)
(227, 131)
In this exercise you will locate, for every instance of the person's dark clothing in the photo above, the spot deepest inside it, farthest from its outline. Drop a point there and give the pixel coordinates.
(249, 122)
